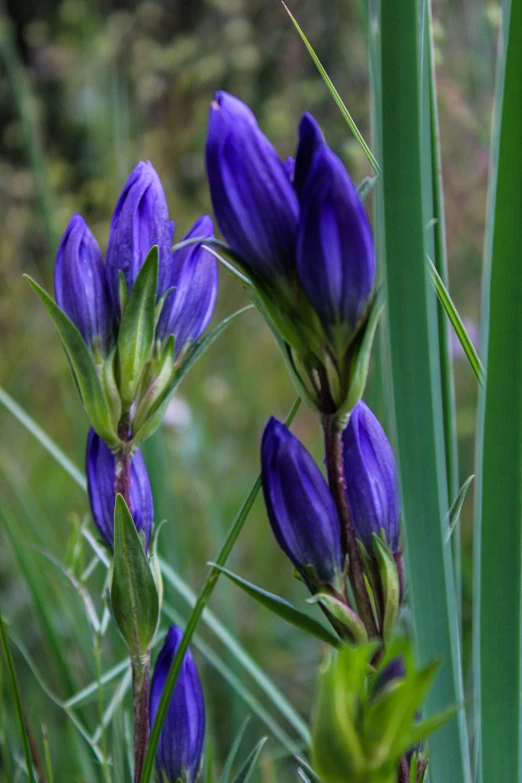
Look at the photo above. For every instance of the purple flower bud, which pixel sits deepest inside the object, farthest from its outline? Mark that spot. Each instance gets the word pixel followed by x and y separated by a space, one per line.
pixel 371 479
pixel 100 469
pixel 140 221
pixel 80 284
pixel 300 507
pixel 310 139
pixel 394 671
pixel 335 252
pixel 253 198
pixel 181 742
pixel 188 308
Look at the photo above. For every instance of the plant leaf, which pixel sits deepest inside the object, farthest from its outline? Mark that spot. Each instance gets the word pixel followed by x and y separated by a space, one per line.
pixel 136 333
pixel 456 507
pixel 233 752
pixel 282 608
pixel 134 596
pixel 83 368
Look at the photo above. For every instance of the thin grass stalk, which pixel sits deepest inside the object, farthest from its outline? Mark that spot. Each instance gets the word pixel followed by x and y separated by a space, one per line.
pixel 416 384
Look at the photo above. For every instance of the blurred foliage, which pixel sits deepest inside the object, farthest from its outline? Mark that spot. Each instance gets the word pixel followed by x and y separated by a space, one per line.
pixel 86 90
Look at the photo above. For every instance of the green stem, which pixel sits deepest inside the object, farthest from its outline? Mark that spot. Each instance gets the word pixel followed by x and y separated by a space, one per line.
pixel 336 480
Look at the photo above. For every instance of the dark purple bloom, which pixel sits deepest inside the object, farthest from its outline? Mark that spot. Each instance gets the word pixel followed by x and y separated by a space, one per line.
pixel 335 253
pixel 300 507
pixel 80 284
pixel 253 198
pixel 100 469
pixel 181 742
pixel 371 478
pixel 395 670
pixel 140 221
pixel 193 276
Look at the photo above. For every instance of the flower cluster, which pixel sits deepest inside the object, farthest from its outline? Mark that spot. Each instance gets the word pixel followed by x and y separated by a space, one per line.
pixel 300 231
pixel 306 520
pixel 101 299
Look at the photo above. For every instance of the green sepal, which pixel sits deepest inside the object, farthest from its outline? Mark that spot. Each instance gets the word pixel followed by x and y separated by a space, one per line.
pixel 160 303
pixel 360 353
pixel 136 334
pixel 155 563
pixel 134 596
pixel 413 769
pixel 123 291
pixel 344 614
pixel 389 583
pixel 110 387
pixel 282 608
pixel 157 411
pixel 83 368
pixel 155 380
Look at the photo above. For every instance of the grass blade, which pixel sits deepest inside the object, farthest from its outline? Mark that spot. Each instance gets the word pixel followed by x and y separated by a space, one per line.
pixel 16 698
pixel 227 769
pixel 337 98
pixel 249 765
pixel 456 322
pixel 413 335
pixel 195 617
pixel 499 505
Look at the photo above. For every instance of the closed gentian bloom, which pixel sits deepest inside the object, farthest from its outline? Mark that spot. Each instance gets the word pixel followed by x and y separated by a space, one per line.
pixel 181 742
pixel 140 221
pixel 194 277
pixel 253 198
pixel 371 479
pixel 100 469
pixel 300 507
pixel 335 251
pixel 80 284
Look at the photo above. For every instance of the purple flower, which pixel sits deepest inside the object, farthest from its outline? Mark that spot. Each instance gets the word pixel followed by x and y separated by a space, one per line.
pixel 80 284
pixel 100 469
pixel 301 230
pixel 335 253
pixel 253 199
pixel 181 742
pixel 300 507
pixel 394 671
pixel 140 221
pixel 371 479
pixel 193 276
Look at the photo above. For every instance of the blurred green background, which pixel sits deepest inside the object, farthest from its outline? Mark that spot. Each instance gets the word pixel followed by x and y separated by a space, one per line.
pixel 86 90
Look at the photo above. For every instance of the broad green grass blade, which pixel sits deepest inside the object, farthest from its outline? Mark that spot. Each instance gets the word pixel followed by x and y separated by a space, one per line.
pixel 13 682
pixel 337 98
pixel 196 614
pixel 500 471
pixel 413 340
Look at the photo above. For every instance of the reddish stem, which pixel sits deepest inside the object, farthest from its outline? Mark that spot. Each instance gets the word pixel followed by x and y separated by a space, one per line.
pixel 336 480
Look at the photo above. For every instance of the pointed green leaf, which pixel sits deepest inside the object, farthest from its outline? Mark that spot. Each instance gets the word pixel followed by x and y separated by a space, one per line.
pixel 282 608
pixel 250 763
pixel 456 322
pixel 421 731
pixel 83 368
pixel 134 597
pixel 137 327
pixel 456 508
